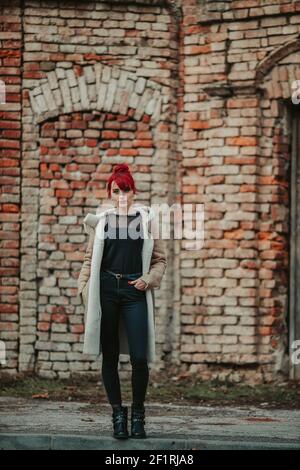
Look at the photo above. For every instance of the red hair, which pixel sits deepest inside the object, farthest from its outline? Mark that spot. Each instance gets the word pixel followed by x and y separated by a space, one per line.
pixel 122 176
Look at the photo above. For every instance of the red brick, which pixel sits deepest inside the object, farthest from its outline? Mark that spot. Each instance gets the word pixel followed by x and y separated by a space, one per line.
pixel 43 326
pixel 64 193
pixel 59 318
pixel 241 141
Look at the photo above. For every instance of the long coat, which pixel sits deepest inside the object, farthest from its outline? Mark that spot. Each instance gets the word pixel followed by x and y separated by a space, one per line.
pixel 153 267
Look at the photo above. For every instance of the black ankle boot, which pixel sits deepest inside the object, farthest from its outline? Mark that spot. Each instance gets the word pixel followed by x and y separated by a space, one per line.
pixel 119 417
pixel 138 421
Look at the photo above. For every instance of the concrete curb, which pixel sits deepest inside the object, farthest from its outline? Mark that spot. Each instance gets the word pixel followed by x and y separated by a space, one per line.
pixel 14 441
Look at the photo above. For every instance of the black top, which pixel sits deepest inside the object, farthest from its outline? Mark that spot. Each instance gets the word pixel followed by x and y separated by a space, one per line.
pixel 123 243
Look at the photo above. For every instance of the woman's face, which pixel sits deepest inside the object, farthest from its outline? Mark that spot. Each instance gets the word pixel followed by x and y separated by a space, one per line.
pixel 122 199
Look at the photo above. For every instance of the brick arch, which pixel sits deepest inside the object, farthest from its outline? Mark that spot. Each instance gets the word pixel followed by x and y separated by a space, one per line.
pixel 96 87
pixel 267 64
pixel 98 92
pixel 174 6
pixel 277 84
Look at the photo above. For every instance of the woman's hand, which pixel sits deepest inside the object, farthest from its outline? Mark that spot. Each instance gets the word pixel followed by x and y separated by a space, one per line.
pixel 139 284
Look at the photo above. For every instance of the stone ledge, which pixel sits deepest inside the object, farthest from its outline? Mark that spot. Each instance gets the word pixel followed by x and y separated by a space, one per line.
pixel 81 442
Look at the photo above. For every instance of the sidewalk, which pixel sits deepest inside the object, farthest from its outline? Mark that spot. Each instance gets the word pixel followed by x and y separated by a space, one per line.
pixel 45 424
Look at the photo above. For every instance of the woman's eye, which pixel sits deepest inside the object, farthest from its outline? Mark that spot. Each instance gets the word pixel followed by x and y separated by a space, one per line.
pixel 126 190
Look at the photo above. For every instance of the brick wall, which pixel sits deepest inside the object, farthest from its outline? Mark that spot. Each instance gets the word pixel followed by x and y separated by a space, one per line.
pixel 193 95
pixel 10 177
pixel 99 87
pixel 240 61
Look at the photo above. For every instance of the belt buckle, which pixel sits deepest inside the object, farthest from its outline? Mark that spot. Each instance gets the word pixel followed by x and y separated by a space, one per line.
pixel 118 276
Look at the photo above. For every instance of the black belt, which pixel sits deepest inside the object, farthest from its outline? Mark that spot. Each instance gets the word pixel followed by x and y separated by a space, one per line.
pixel 121 275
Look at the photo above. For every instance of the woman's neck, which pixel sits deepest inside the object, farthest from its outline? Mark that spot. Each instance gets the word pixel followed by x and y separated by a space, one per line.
pixel 123 210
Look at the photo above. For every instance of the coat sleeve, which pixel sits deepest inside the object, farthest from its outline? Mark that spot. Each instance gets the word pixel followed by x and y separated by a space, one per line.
pixel 158 265
pixel 86 266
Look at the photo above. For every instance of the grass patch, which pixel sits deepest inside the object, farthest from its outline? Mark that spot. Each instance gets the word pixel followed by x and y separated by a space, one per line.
pixel 160 389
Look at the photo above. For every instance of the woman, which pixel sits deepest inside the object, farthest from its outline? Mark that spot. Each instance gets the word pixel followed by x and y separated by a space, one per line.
pixel 122 266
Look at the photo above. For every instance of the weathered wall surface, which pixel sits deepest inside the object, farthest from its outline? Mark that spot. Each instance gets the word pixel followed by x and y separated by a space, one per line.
pixel 194 96
pixel 10 163
pixel 240 61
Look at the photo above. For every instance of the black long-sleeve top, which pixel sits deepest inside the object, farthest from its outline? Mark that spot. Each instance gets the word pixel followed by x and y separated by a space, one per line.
pixel 123 243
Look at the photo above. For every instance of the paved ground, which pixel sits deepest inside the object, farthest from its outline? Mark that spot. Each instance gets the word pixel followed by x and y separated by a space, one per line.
pixel 44 424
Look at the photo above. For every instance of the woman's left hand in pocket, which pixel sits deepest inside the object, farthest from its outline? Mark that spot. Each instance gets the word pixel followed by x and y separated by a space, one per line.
pixel 138 284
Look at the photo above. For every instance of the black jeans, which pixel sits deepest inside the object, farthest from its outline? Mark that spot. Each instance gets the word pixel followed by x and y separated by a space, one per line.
pixel 120 298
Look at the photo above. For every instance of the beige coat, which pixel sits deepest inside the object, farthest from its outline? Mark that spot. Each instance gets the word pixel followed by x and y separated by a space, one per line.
pixel 153 267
